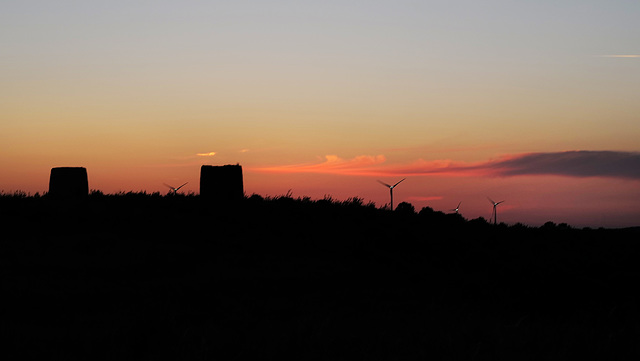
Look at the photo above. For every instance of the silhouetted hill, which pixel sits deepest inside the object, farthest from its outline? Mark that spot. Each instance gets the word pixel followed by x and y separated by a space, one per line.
pixel 146 276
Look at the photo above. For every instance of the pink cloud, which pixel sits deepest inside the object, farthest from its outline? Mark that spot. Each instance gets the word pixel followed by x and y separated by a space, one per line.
pixel 442 167
pixel 570 163
pixel 360 165
pixel 426 198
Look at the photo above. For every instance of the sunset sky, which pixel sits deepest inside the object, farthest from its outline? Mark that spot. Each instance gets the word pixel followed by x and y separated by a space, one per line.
pixel 533 102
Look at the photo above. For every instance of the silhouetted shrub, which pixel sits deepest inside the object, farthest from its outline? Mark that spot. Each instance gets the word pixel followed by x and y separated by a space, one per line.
pixel 20 194
pixel 480 221
pixel 405 208
pixel 425 211
pixel 354 202
pixel 520 226
pixel 96 193
pixel 255 198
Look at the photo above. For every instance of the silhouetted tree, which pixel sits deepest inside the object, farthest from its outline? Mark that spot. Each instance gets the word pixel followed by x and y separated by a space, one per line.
pixel 479 220
pixel 426 211
pixel 405 208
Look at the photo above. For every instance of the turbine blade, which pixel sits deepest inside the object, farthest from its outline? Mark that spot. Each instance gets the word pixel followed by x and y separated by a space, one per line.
pixel 458 207
pixel 168 185
pixel 491 200
pixel 499 202
pixel 399 182
pixel 385 184
pixel 182 186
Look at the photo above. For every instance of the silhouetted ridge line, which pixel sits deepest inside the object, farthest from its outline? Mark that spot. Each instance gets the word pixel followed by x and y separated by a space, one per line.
pixel 189 280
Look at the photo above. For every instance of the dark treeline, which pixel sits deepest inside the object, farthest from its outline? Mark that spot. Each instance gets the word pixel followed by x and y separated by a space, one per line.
pixel 150 276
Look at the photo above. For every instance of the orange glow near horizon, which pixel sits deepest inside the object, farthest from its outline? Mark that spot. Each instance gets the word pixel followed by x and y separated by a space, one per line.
pixel 441 185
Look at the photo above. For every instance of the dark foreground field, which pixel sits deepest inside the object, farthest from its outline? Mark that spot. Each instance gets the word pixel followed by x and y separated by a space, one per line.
pixel 146 277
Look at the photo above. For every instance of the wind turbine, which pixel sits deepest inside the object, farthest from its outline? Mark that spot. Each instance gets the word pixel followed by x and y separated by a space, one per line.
pixel 495 214
pixel 175 190
pixel 455 210
pixel 391 189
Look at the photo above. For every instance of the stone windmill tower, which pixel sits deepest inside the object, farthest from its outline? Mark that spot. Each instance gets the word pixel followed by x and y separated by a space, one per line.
pixel 68 182
pixel 222 184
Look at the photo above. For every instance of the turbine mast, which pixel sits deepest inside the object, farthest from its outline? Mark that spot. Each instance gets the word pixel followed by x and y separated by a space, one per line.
pixel 495 210
pixel 391 193
pixel 391 189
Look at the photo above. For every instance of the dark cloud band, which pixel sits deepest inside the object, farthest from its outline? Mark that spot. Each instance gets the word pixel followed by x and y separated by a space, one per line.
pixel 571 163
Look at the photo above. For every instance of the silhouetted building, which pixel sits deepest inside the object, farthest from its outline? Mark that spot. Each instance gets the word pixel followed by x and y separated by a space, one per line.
pixel 68 182
pixel 221 183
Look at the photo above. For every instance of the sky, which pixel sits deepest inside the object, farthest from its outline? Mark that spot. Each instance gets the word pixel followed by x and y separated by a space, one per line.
pixel 530 102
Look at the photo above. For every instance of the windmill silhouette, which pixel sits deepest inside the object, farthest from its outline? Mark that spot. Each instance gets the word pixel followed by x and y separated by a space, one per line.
pixel 175 190
pixel 495 213
pixel 457 209
pixel 391 189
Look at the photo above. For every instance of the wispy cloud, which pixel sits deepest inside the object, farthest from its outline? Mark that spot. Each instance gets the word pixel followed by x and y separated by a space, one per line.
pixel 210 154
pixel 570 163
pixel 332 164
pixel 425 198
pixel 621 56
